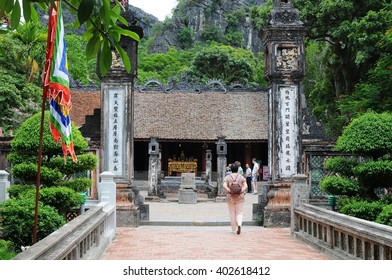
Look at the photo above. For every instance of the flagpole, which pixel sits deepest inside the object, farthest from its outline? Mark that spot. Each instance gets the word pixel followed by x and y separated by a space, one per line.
pixel 49 53
pixel 38 182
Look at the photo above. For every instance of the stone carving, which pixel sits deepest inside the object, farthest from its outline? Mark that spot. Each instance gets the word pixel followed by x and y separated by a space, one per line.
pixel 286 17
pixel 187 193
pixel 152 85
pixel 116 62
pixel 287 59
pixel 188 181
pixel 138 198
pixel 305 126
pixel 184 83
pixel 284 13
pixel 283 3
pixel 187 85
pixel 153 176
pixel 215 85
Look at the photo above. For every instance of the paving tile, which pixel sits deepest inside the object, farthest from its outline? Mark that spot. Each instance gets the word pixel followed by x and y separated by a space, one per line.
pixel 205 242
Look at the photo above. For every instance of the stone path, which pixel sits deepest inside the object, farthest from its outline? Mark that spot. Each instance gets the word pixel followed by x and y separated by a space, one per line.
pixel 166 241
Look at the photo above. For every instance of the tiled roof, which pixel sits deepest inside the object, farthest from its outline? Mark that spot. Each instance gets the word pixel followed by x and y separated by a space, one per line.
pixel 201 116
pixel 83 104
pixel 188 115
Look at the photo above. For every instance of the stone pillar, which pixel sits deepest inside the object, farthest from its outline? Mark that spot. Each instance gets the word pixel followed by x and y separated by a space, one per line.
pixel 107 187
pixel 283 40
pixel 208 166
pixel 117 109
pixel 107 193
pixel 299 194
pixel 258 208
pixel 153 168
pixel 4 185
pixel 221 150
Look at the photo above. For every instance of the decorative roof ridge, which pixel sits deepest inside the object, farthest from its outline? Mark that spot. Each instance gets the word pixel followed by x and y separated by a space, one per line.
pixel 187 84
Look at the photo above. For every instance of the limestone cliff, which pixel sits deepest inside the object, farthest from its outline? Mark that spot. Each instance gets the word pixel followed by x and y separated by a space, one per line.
pixel 198 21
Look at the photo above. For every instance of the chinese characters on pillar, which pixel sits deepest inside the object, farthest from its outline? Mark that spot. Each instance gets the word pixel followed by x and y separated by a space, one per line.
pixel 116 117
pixel 289 131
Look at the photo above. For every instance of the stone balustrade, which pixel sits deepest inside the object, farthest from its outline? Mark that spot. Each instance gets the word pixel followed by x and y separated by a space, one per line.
pixel 341 236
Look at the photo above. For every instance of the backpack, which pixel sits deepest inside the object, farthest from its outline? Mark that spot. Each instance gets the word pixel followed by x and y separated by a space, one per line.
pixel 234 186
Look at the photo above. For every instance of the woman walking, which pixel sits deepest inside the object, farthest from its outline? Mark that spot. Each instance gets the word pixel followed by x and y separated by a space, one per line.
pixel 235 201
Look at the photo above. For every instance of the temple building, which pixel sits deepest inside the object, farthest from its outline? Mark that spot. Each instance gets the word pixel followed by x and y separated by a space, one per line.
pixel 186 122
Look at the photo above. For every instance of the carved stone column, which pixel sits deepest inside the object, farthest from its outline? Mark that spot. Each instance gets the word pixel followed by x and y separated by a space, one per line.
pixel 208 166
pixel 221 150
pixel 283 40
pixel 153 169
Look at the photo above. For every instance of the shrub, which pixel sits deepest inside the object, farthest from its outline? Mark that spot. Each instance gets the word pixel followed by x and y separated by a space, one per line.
pixel 27 173
pixel 17 221
pixel 6 250
pixel 362 209
pixel 370 134
pixel 15 191
pixel 386 199
pixel 63 199
pixel 341 166
pixel 26 140
pixel 79 184
pixel 85 162
pixel 340 186
pixel 375 173
pixel 385 217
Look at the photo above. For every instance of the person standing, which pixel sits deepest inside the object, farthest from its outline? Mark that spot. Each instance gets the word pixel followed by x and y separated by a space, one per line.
pixel 240 170
pixel 248 176
pixel 235 202
pixel 255 173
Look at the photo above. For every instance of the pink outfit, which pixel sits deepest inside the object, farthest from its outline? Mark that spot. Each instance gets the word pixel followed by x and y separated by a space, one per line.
pixel 235 203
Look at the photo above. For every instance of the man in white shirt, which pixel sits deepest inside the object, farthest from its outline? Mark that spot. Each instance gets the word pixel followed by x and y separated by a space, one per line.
pixel 255 173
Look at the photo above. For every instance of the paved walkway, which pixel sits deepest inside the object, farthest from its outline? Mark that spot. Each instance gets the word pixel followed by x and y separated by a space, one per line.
pixel 165 241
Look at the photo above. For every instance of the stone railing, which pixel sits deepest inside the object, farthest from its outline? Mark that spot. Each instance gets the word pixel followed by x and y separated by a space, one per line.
pixel 341 236
pixel 337 235
pixel 84 238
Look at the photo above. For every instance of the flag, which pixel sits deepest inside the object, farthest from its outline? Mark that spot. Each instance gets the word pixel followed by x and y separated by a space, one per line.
pixel 56 82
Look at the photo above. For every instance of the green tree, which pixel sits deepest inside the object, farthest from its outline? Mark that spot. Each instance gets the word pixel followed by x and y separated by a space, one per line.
pixel 351 55
pixel 81 69
pixel 369 138
pixel 228 64
pixel 185 38
pixel 59 189
pixel 102 18
pixel 162 66
pixel 211 33
pixel 55 171
pixel 32 36
pixel 18 99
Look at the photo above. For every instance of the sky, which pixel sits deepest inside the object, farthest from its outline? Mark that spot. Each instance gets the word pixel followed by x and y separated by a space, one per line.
pixel 158 8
